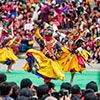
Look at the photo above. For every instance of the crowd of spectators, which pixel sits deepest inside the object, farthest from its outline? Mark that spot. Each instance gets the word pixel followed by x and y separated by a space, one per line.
pixel 22 19
pixel 28 91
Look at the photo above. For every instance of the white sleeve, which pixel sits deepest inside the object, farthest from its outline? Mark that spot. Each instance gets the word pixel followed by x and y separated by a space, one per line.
pixel 80 49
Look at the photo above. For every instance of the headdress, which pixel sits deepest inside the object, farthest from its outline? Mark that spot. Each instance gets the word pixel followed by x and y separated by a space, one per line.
pixel 49 32
pixel 79 40
pixel 5 41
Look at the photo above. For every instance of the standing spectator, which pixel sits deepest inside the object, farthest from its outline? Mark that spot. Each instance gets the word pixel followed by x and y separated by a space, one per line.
pixel 42 90
pixel 26 83
pixel 92 85
pixel 80 9
pixel 51 90
pixel 3 78
pixel 75 91
pixel 45 11
pixel 90 96
pixel 6 91
pixel 66 86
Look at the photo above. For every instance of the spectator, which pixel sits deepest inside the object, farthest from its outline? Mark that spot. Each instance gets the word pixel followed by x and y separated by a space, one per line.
pixel 22 98
pixel 26 92
pixel 25 83
pixel 76 98
pixel 15 90
pixel 75 91
pixel 66 86
pixel 3 78
pixel 50 98
pixel 42 91
pixel 6 91
pixel 90 96
pixel 92 85
pixel 51 87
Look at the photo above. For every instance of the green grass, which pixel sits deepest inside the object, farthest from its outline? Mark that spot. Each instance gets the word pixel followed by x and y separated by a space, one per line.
pixel 80 79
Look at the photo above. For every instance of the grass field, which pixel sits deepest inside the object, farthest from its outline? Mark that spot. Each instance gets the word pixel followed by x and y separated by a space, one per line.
pixel 80 79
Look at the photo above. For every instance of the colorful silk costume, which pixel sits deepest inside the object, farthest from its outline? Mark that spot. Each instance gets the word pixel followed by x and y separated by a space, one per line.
pixel 54 60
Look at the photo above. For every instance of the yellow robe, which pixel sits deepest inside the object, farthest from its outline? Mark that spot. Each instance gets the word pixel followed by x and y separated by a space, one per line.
pixel 7 53
pixel 37 34
pixel 48 67
pixel 69 62
pixel 88 1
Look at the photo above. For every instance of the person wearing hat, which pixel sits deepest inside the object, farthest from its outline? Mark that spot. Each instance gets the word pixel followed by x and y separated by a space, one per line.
pixel 49 68
pixel 75 58
pixel 52 46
